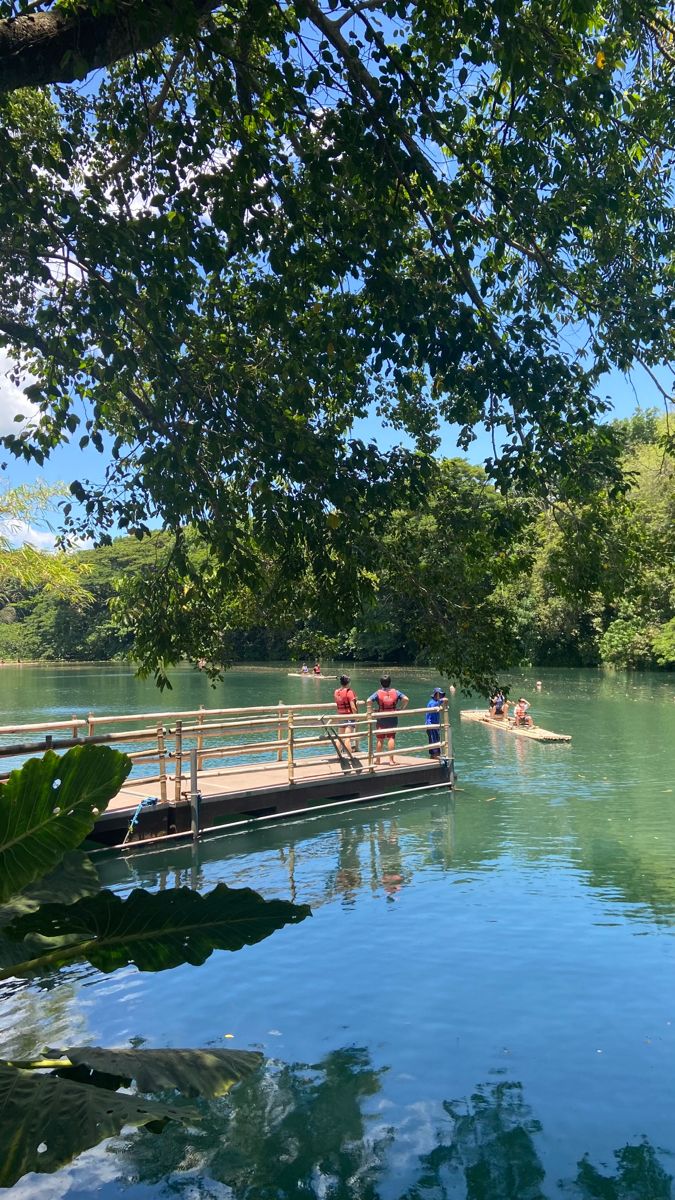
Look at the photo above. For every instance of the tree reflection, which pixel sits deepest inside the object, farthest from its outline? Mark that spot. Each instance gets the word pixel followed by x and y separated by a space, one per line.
pixel 297 1131
pixel 640 1177
pixel 489 1152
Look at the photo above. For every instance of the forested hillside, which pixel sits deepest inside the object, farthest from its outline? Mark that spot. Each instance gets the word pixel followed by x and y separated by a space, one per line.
pixel 467 579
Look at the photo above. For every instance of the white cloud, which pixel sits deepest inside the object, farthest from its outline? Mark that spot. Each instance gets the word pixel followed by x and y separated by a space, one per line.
pixel 18 533
pixel 12 400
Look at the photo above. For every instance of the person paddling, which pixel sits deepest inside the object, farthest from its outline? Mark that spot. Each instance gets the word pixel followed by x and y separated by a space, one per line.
pixel 346 702
pixel 316 669
pixel 388 700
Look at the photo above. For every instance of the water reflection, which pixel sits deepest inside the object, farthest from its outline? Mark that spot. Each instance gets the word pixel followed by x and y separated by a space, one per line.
pixel 301 1130
pixel 310 1130
pixel 378 851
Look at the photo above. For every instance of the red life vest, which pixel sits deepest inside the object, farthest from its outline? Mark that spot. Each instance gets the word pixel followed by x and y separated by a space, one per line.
pixel 343 698
pixel 387 699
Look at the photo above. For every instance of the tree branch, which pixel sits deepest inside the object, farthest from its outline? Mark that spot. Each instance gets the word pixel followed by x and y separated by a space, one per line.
pixel 59 46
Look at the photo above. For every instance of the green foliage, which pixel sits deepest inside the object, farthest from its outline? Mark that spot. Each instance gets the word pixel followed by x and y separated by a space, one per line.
pixel 626 643
pixel 48 807
pixel 25 567
pixel 663 644
pixel 461 578
pixel 154 931
pixel 230 246
pixel 45 1121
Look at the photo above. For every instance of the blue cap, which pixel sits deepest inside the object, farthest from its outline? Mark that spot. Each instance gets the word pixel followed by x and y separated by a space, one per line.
pixel 438 689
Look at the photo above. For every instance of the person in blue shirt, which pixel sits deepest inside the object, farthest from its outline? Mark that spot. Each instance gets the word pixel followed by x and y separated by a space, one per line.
pixel 433 721
pixel 388 699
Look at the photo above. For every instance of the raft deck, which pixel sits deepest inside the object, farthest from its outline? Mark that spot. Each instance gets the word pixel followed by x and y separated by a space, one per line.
pixel 535 734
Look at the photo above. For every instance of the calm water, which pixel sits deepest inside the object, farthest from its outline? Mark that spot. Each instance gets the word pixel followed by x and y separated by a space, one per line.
pixel 482 1006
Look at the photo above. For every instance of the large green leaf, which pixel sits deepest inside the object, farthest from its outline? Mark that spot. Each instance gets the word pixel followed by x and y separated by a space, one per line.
pixel 46 1121
pixel 49 806
pixel 74 877
pixel 153 930
pixel 207 1073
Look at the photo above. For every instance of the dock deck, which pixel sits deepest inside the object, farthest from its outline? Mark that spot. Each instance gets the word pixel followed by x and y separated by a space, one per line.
pixel 228 797
pixel 216 767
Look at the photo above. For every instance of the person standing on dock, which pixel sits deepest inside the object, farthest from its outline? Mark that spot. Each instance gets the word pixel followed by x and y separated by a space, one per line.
pixel 433 721
pixel 345 699
pixel 388 699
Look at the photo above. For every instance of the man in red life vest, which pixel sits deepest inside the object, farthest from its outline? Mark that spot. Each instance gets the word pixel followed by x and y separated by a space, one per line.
pixel 345 699
pixel 388 700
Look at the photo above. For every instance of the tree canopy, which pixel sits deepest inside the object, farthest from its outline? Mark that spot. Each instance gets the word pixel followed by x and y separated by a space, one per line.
pixel 465 579
pixel 256 223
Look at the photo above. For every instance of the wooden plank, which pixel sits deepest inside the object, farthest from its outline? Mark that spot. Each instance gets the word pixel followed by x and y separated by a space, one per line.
pixel 535 734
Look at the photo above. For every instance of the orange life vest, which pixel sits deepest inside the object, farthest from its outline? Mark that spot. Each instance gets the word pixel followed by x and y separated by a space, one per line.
pixel 343 697
pixel 387 699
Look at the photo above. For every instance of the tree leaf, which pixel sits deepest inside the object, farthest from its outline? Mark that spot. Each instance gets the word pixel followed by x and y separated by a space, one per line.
pixel 207 1073
pixel 155 931
pixel 45 1121
pixel 49 806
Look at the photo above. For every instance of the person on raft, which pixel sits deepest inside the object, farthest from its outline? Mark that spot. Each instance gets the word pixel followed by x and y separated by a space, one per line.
pixel 316 669
pixel 346 702
pixel 305 669
pixel 521 715
pixel 433 722
pixel 499 705
pixel 388 700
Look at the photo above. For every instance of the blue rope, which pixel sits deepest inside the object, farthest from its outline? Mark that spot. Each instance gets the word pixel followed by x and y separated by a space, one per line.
pixel 149 802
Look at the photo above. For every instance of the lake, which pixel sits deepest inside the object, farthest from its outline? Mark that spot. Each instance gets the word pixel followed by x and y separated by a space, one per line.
pixel 482 1005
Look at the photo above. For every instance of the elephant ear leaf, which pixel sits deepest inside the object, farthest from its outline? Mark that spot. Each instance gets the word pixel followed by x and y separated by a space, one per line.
pixel 46 1121
pixel 49 806
pixel 208 1073
pixel 153 930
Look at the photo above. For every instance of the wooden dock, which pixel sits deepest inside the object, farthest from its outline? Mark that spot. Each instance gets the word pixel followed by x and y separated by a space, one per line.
pixel 533 734
pixel 217 767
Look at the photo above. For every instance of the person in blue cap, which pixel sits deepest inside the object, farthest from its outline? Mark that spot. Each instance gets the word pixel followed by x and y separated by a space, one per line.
pixel 433 721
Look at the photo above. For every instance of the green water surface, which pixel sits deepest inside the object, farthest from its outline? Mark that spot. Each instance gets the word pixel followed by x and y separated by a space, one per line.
pixel 482 1005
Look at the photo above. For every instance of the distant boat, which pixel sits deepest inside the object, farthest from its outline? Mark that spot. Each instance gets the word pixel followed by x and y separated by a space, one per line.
pixel 535 733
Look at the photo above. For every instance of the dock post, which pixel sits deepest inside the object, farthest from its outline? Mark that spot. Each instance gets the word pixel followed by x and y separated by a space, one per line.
pixel 179 761
pixel 447 732
pixel 290 744
pixel 200 736
pixel 280 732
pixel 194 794
pixel 75 725
pixel 90 725
pixel 161 754
pixel 369 717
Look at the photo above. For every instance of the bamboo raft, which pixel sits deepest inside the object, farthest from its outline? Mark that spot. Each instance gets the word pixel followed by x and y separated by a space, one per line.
pixel 535 734
pixel 308 675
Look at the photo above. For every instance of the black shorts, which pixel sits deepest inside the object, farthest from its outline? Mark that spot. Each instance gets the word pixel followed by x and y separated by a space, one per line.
pixel 387 722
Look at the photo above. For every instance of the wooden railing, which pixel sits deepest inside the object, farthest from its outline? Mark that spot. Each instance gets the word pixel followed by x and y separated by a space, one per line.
pixel 290 733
